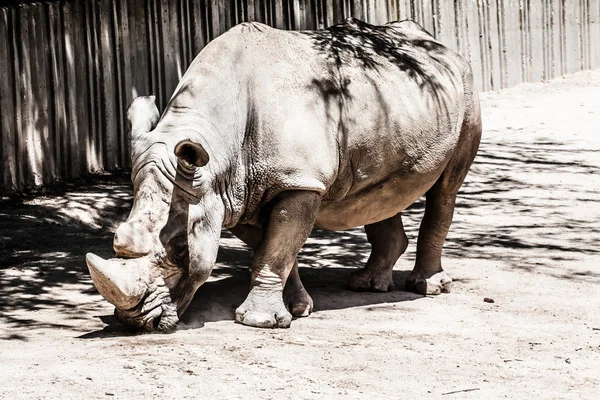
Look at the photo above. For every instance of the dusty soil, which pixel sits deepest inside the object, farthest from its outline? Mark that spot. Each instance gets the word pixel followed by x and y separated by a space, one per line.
pixel 525 234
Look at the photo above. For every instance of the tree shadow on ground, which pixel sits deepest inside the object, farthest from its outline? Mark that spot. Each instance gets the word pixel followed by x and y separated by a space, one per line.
pixel 524 204
pixel 43 242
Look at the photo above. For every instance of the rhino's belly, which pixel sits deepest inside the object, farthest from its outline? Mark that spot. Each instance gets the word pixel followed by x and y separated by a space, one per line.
pixel 373 204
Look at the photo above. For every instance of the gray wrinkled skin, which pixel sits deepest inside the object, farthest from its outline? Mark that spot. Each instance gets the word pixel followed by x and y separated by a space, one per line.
pixel 271 133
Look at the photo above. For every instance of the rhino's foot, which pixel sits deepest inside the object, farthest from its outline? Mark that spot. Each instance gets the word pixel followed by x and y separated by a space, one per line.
pixel 436 284
pixel 263 309
pixel 375 281
pixel 299 302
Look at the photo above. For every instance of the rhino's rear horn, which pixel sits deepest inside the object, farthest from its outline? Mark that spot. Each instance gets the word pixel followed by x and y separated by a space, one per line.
pixel 192 153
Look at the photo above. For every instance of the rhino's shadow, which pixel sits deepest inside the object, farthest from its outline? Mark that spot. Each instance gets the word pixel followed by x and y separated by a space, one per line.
pixel 326 262
pixel 217 300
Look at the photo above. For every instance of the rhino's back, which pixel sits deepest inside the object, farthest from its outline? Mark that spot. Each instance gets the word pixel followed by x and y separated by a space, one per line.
pixel 367 115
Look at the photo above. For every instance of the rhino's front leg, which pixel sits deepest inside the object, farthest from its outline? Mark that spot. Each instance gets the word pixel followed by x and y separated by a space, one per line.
pixel 295 296
pixel 289 224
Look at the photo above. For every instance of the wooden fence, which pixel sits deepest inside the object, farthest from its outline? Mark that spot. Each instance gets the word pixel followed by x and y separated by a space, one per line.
pixel 68 69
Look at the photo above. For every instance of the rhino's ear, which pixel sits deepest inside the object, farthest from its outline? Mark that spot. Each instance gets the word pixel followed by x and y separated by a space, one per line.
pixel 142 115
pixel 192 153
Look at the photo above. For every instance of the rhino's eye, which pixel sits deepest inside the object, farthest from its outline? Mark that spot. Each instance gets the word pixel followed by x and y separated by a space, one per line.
pixel 177 249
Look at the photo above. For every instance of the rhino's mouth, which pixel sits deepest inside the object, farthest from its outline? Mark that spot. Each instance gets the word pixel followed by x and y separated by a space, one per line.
pixel 138 289
pixel 155 312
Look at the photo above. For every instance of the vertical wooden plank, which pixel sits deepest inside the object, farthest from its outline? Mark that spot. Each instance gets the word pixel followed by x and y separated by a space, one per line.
pixel 159 83
pixel 270 12
pixel 133 35
pixel 214 19
pixel 94 135
pixel 494 46
pixel 474 35
pixel 562 33
pixel 4 59
pixel 460 22
pixel 297 15
pixel 32 110
pixel 250 14
pixel 357 9
pixel 536 40
pixel 417 10
pixel 394 10
pixel 336 10
pixel 170 56
pixel 524 40
pixel 594 18
pixel 224 16
pixel 573 35
pixel 403 9
pixel 305 17
pixel 555 38
pixel 447 29
pixel 71 143
pixel 317 8
pixel 260 13
pixel 435 16
pixel 585 45
pixel 187 15
pixel 233 11
pixel 114 58
pixel 24 107
pixel 198 26
pixel 108 83
pixel 56 73
pixel 279 20
pixel 427 15
pixel 17 45
pixel 78 84
pixel 43 140
pixel 483 44
pixel 367 12
pixel 501 48
pixel 7 100
pixel 546 39
pixel 512 42
pixel 124 82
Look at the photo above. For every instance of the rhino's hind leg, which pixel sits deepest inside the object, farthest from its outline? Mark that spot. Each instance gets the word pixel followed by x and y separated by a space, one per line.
pixel 290 221
pixel 295 296
pixel 388 242
pixel 428 277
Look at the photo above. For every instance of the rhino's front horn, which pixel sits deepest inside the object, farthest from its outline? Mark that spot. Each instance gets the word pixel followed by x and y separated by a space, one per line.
pixel 120 282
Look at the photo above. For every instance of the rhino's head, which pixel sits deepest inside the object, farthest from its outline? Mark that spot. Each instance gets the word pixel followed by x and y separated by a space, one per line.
pixel 167 247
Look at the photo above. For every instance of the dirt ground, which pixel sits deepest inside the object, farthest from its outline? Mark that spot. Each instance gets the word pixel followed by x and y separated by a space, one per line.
pixel 526 234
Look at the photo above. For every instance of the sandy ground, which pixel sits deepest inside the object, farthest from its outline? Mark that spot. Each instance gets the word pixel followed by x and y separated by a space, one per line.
pixel 525 234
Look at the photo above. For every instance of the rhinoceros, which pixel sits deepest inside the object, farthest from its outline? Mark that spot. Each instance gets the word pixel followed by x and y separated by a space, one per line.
pixel 271 133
